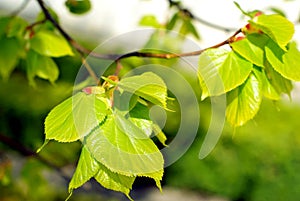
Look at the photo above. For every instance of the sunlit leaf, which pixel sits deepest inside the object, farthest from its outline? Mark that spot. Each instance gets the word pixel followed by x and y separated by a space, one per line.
pixel 41 66
pixel 281 32
pixel 124 148
pixel 280 84
pixel 49 43
pixel 114 181
pixel 87 168
pixel 220 71
pixel 252 48
pixel 268 89
pixel 75 118
pixel 159 134
pixel 148 86
pixel 285 63
pixel 244 102
pixel 144 124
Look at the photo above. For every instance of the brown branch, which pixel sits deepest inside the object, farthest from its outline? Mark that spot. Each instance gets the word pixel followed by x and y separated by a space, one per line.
pixel 82 50
pixel 78 47
pixel 30 27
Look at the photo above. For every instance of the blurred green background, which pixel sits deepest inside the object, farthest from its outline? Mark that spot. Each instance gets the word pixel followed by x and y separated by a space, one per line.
pixel 257 162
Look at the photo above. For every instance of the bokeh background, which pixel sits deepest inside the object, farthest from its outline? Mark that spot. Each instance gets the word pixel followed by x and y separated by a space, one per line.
pixel 257 162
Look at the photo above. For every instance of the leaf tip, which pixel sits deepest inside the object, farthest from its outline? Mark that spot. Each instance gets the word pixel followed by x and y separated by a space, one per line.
pixel 158 184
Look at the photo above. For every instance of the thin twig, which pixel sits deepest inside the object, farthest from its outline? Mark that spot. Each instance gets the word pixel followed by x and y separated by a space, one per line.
pixel 30 27
pixel 90 70
pixel 78 47
pixel 164 55
pixel 82 50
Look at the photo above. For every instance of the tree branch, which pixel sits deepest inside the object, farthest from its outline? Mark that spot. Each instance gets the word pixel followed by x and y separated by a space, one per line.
pixel 82 50
pixel 78 47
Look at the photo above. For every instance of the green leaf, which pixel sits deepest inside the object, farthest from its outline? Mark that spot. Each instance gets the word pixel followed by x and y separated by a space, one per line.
pixel 268 89
pixel 4 21
pixel 49 43
pixel 148 86
pixel 244 101
pixel 78 6
pixel 124 101
pixel 87 168
pixel 220 71
pixel 159 134
pixel 41 66
pixel 9 55
pixel 281 32
pixel 144 124
pixel 124 148
pixel 278 11
pixel 280 84
pixel 150 21
pixel 188 27
pixel 140 111
pixel 171 24
pixel 285 63
pixel 240 8
pixel 75 118
pixel 252 48
pixel 114 181
pixel 16 27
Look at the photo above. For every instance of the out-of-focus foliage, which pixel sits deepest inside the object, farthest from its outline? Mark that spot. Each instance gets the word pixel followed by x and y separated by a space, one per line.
pixel 259 163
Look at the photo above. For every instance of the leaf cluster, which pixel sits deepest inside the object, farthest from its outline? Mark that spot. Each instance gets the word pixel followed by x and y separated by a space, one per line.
pixel 116 139
pixel 259 64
